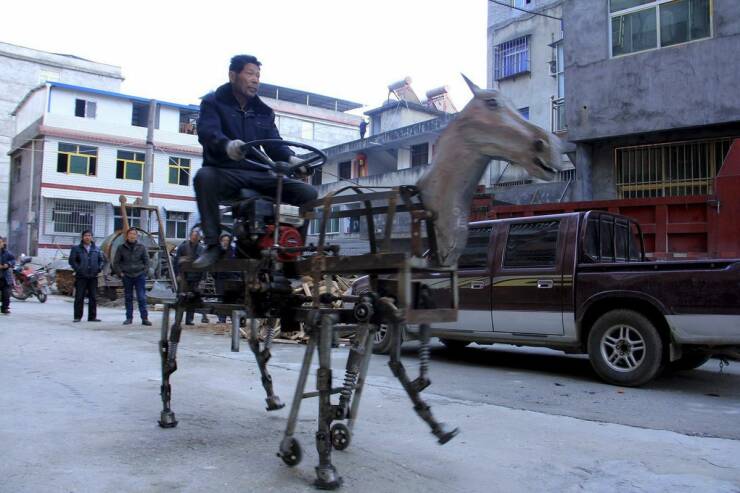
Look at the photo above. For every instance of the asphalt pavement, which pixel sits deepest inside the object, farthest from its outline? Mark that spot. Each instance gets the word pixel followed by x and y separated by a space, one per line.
pixel 79 404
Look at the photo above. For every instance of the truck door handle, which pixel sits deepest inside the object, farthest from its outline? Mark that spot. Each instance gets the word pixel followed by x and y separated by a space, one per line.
pixel 544 283
pixel 477 285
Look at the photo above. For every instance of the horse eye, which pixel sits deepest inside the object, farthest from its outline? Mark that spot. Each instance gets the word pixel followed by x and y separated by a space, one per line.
pixel 492 103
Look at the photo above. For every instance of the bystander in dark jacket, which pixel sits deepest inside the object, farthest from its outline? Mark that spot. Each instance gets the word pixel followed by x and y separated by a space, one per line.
pixel 188 251
pixel 87 261
pixel 131 263
pixel 7 262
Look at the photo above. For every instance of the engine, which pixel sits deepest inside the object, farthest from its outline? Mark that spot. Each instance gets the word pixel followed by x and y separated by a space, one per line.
pixel 254 228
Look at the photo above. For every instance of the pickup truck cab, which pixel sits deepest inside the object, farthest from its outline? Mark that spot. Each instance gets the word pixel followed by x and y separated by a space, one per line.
pixel 580 282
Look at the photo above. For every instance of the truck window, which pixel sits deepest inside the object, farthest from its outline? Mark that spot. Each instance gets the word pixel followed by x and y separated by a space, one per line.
pixel 592 239
pixel 532 244
pixel 607 239
pixel 621 240
pixel 475 255
pixel 635 247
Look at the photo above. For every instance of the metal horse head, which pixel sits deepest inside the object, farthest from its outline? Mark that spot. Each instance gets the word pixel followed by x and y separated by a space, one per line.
pixel 489 127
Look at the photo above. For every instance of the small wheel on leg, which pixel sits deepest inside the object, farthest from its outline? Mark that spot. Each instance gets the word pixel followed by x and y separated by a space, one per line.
pixel 341 437
pixel 294 454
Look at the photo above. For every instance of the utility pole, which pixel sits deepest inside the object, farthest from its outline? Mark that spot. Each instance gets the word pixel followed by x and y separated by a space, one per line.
pixel 148 162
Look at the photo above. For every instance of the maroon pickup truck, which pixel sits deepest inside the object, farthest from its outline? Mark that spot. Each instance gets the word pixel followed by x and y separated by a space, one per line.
pixel 580 282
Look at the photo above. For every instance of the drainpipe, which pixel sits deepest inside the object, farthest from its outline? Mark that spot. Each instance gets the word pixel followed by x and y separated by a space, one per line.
pixel 30 215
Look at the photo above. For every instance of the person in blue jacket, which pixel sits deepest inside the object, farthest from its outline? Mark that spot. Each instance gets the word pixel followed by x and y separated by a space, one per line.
pixel 87 261
pixel 7 262
pixel 229 117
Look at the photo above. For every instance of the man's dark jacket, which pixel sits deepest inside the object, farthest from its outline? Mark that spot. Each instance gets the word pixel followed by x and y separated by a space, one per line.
pixel 186 251
pixel 86 264
pixel 131 259
pixel 222 119
pixel 7 258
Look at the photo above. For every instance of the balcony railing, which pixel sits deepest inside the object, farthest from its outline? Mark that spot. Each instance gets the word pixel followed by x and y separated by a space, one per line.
pixel 558 115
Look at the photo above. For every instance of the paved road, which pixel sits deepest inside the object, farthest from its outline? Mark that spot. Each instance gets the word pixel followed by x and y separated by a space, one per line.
pixel 79 404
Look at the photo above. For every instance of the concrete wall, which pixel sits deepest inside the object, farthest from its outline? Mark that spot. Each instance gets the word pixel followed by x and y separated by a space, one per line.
pixel 22 69
pixel 680 86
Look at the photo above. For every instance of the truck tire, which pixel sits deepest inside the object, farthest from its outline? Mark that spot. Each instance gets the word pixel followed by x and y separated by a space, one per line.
pixel 624 348
pixel 454 344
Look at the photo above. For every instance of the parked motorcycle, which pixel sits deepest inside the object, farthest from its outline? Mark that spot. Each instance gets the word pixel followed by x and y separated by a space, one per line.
pixel 28 281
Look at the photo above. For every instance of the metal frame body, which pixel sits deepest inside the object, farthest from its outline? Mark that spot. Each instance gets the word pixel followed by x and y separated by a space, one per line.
pixel 397 296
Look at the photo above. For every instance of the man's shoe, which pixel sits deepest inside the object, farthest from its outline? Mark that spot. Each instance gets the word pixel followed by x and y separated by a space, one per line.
pixel 128 321
pixel 94 320
pixel 189 323
pixel 146 322
pixel 76 320
pixel 209 257
pixel 5 312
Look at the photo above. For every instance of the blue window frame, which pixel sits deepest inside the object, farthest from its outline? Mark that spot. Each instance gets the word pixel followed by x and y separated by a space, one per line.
pixel 511 58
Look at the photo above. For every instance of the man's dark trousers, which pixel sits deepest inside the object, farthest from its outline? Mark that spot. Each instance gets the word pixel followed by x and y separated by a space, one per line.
pixel 214 185
pixel 86 286
pixel 129 285
pixel 4 294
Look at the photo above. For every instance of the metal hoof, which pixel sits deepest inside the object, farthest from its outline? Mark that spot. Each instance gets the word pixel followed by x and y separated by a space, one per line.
pixel 167 419
pixel 421 383
pixel 327 479
pixel 291 454
pixel 273 403
pixel 341 437
pixel 443 437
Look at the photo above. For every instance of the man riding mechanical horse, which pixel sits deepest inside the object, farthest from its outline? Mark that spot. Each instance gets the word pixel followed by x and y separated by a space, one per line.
pixel 230 117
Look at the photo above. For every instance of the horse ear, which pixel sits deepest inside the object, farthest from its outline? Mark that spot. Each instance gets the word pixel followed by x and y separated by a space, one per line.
pixel 473 88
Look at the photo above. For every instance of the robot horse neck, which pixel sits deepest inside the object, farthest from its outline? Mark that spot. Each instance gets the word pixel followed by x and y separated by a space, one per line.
pixel 489 127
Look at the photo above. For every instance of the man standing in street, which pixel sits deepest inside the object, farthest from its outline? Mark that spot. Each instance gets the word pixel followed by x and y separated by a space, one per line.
pixel 188 251
pixel 229 117
pixel 131 264
pixel 87 260
pixel 7 262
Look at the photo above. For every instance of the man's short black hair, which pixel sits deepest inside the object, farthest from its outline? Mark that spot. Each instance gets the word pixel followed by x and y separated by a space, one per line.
pixel 85 232
pixel 238 62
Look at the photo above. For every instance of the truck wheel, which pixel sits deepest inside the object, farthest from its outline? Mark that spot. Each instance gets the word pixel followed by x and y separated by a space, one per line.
pixel 691 360
pixel 382 340
pixel 625 348
pixel 454 344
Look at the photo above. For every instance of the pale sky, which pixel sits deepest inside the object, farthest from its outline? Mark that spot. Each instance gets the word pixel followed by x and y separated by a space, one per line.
pixel 178 51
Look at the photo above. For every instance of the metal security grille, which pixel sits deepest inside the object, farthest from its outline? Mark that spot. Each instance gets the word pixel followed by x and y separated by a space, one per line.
pixel 668 170
pixel 511 58
pixel 72 216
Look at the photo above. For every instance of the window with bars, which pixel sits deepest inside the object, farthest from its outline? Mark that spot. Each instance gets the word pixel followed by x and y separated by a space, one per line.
pixel 671 169
pixel 77 159
pixel 511 58
pixel 72 216
pixel 638 25
pixel 130 165
pixel 331 228
pixel 179 171
pixel 177 225
pixel 420 154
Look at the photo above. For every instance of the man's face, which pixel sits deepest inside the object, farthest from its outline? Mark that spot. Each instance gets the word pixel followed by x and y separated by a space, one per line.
pixel 194 236
pixel 87 238
pixel 2 243
pixel 132 235
pixel 247 81
pixel 225 242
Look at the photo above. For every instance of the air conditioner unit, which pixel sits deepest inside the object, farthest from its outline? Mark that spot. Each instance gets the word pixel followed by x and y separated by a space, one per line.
pixel 553 67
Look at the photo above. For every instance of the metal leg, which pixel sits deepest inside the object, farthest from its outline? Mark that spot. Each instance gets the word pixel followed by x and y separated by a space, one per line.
pixel 326 474
pixel 236 319
pixel 368 352
pixel 273 401
pixel 289 447
pixel 168 353
pixel 421 407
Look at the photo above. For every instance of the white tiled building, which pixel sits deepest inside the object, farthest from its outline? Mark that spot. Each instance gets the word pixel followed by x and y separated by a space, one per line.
pixel 77 149
pixel 84 148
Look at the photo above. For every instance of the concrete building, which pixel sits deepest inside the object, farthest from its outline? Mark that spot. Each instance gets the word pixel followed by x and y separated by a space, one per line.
pixel 525 62
pixel 22 69
pixel 77 149
pixel 651 94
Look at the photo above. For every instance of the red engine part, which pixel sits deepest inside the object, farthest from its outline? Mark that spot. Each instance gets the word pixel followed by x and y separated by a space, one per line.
pixel 288 237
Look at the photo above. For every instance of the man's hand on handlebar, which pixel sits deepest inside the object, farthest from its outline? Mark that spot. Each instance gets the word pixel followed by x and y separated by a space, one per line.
pixel 300 171
pixel 235 151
